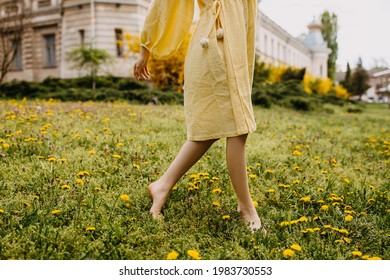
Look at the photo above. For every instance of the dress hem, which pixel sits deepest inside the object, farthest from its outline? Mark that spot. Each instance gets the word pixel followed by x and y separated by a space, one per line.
pixel 218 136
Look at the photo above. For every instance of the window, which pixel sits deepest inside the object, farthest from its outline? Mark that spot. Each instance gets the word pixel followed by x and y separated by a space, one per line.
pixel 44 3
pixel 119 42
pixel 11 8
pixel 50 50
pixel 17 63
pixel 82 37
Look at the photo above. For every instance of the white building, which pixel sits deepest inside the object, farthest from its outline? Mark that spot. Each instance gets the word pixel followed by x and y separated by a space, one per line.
pixel 56 27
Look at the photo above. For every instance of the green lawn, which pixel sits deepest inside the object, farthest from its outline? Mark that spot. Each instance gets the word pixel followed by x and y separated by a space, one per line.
pixel 73 180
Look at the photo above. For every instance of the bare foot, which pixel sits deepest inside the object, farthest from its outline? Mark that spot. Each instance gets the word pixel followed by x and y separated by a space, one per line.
pixel 159 196
pixel 251 219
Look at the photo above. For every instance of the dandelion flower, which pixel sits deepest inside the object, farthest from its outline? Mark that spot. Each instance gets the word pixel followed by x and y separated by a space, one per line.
pixel 357 253
pixel 303 219
pixel 255 203
pixel 288 253
pixel 51 159
pixel 348 218
pixel 172 255
pixel 217 190
pixel 305 199
pixel 90 229
pixel 347 240
pixel 252 176
pixel 374 259
pixel 324 207
pixel 55 212
pixel 91 152
pixel 65 187
pixel 124 197
pixel 296 247
pixel 225 217
pixel 216 204
pixel 1 211
pixel 271 190
pixel 116 156
pixel 194 254
pixel 136 166
pixel 297 153
pixel 347 181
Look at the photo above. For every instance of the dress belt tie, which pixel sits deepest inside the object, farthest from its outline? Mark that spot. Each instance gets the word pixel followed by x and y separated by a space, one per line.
pixel 217 7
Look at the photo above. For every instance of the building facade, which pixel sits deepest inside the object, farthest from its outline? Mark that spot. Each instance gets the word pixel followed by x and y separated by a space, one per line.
pixel 53 28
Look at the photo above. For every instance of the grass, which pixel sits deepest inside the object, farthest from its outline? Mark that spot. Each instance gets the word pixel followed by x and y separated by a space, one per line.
pixel 73 178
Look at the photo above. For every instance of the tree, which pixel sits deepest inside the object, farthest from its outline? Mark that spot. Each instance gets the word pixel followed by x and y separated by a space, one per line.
pixel 359 80
pixel 329 32
pixel 164 73
pixel 346 83
pixel 90 60
pixel 11 34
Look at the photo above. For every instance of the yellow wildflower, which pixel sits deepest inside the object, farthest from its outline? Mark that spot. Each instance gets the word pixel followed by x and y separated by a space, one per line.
pixel 324 207
pixel 83 173
pixel 297 153
pixel 255 203
pixel 1 211
pixel 216 204
pixel 288 253
pixel 217 190
pixel 348 218
pixel 374 258
pixel 136 166
pixel 90 229
pixel 346 239
pixel 51 159
pixel 116 156
pixel 124 197
pixel 172 255
pixel 357 253
pixel 55 212
pixel 271 190
pixel 91 152
pixel 65 187
pixel 303 219
pixel 305 199
pixel 225 217
pixel 252 176
pixel 194 254
pixel 296 247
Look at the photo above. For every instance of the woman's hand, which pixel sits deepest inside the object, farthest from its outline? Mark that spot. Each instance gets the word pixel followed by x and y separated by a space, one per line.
pixel 141 71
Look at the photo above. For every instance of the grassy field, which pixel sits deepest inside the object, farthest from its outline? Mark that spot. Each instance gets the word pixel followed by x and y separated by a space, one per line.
pixel 73 180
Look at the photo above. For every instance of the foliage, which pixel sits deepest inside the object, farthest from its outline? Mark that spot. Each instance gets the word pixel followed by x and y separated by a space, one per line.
pixel 78 89
pixel 346 82
pixel 11 34
pixel 164 73
pixel 90 60
pixel 74 175
pixel 329 32
pixel 360 80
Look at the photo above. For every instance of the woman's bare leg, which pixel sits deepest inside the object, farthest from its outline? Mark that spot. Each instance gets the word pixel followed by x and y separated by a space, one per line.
pixel 188 155
pixel 236 161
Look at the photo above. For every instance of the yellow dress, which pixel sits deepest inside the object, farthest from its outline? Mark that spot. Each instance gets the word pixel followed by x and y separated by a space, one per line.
pixel 218 70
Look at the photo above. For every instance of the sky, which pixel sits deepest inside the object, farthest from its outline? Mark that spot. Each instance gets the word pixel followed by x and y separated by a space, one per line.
pixel 363 26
